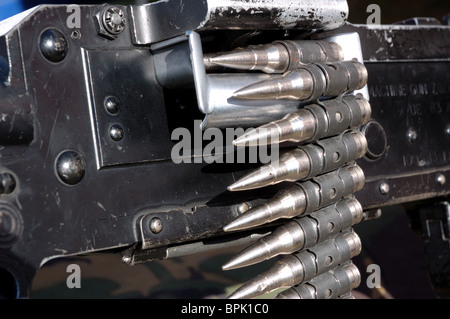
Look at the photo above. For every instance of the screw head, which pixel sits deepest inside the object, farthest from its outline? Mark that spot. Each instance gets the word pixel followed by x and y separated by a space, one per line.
pixel 53 45
pixel 112 105
pixel 384 188
pixel 76 34
pixel 412 135
pixel 116 132
pixel 156 225
pixel 70 167
pixel 113 20
pixel 440 179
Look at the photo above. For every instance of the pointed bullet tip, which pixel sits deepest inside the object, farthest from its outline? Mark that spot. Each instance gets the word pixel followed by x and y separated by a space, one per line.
pixel 251 92
pixel 227 266
pixel 246 221
pixel 232 297
pixel 231 226
pixel 239 262
pixel 262 177
pixel 236 295
pixel 248 290
pixel 238 186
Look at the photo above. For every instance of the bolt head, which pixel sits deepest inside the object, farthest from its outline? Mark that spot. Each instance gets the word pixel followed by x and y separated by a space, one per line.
pixel 113 20
pixel 156 225
pixel 112 105
pixel 440 179
pixel 53 45
pixel 412 135
pixel 116 132
pixel 70 167
pixel 384 188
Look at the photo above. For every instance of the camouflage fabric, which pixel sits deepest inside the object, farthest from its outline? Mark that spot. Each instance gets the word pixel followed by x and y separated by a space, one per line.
pixel 106 276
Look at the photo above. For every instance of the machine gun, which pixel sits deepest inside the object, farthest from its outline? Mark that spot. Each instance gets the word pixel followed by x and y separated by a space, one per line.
pixel 108 114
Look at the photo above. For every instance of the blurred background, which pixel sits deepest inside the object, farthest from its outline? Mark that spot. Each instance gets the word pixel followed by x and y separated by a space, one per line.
pixel 388 241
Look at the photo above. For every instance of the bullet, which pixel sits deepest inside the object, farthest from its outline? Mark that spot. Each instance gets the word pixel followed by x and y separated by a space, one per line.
pixel 272 58
pixel 290 201
pixel 306 162
pixel 276 57
pixel 285 273
pixel 334 284
pixel 309 82
pixel 311 123
pixel 301 233
pixel 291 166
pixel 302 198
pixel 301 267
pixel 283 240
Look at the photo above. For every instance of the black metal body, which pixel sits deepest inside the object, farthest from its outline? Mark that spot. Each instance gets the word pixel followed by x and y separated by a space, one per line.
pixel 435 224
pixel 49 108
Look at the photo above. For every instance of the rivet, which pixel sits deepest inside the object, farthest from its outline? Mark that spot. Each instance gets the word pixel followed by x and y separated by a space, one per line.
pixel 412 135
pixel 53 45
pixel 384 188
pixel 156 225
pixel 440 178
pixel 116 132
pixel 112 105
pixel 70 167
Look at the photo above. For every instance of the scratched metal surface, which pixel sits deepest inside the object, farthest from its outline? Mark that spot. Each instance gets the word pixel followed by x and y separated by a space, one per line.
pixel 409 89
pixel 233 15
